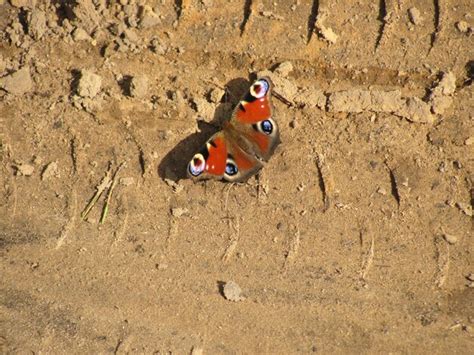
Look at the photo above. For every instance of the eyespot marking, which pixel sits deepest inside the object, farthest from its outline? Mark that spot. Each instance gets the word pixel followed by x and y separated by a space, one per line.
pixel 266 127
pixel 231 169
pixel 260 88
pixel 197 165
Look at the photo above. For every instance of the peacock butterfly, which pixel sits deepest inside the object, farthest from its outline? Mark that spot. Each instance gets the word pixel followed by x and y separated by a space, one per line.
pixel 247 139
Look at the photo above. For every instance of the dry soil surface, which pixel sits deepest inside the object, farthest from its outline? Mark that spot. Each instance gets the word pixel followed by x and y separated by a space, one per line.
pixel 355 237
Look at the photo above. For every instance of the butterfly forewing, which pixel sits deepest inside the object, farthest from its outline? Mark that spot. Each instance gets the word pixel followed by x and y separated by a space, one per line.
pixel 252 118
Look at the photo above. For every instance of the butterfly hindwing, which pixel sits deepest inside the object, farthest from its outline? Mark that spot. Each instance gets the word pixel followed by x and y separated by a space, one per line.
pixel 223 158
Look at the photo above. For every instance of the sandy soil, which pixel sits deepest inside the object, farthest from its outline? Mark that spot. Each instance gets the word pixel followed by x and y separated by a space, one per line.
pixel 355 237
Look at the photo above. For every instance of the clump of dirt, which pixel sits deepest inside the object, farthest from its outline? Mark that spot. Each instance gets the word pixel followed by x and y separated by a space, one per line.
pixel 89 84
pixel 232 292
pixel 17 83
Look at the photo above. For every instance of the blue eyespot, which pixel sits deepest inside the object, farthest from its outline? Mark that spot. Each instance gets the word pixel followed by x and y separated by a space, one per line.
pixel 265 84
pixel 231 169
pixel 197 165
pixel 267 127
pixel 260 88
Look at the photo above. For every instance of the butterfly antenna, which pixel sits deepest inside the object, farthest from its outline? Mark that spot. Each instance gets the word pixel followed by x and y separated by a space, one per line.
pixel 283 99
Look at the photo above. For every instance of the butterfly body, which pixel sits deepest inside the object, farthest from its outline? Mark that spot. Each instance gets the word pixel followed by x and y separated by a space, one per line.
pixel 246 141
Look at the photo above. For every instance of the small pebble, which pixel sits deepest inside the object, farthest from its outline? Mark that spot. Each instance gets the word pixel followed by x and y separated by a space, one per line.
pixel 3 64
pixel 23 3
pixel 161 266
pixel 284 69
pixel 131 35
pixel 80 34
pixel 216 95
pixel 178 211
pixel 148 18
pixel 457 164
pixel 89 84
pixel 36 24
pixel 197 351
pixel 51 170
pixel 157 47
pixel 294 124
pixel 24 169
pixel 466 208
pixel 451 239
pixel 204 108
pixel 127 181
pixel 177 188
pixel 414 16
pixel 139 86
pixel 18 83
pixel 328 34
pixel 462 26
pixel 232 292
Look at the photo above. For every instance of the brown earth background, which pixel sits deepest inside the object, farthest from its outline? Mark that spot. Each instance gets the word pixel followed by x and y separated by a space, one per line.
pixel 355 237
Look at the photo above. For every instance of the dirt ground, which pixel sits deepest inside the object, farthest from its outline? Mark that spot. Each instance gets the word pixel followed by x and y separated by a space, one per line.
pixel 356 237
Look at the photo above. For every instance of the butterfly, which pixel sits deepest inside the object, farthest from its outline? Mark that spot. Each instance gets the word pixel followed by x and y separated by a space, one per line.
pixel 247 139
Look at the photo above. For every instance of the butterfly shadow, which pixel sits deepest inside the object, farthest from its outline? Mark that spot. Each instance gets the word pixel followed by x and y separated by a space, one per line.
pixel 174 165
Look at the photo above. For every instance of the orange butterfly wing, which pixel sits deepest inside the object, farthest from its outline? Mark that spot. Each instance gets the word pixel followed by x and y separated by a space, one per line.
pixel 251 135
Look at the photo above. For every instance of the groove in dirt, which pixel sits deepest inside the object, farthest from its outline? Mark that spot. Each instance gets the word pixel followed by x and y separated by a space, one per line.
pixel 141 160
pixel 382 18
pixel 393 183
pixel 178 4
pixel 322 184
pixel 313 17
pixel 247 13
pixel 437 23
